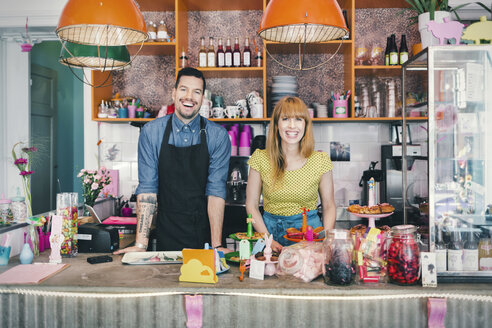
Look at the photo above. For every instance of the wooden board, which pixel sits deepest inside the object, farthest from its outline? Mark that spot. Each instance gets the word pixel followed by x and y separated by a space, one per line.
pixel 28 274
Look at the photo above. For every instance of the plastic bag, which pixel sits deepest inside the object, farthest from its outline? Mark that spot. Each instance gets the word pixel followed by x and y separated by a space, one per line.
pixel 303 260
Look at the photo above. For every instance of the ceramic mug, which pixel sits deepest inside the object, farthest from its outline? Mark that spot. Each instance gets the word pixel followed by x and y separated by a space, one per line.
pixel 205 110
pixel 257 111
pixel 232 111
pixel 218 112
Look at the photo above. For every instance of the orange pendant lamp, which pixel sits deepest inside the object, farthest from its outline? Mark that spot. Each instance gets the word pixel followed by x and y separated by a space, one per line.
pixel 301 21
pixel 102 23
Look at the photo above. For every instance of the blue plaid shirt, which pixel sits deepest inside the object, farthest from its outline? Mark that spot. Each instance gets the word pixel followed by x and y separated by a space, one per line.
pixel 183 135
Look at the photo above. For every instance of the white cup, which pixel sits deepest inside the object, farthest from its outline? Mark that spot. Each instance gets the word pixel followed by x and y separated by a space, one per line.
pixel 257 111
pixel 218 112
pixel 205 111
pixel 232 111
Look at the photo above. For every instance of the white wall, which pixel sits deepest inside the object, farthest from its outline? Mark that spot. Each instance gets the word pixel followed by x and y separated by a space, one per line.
pixel 40 12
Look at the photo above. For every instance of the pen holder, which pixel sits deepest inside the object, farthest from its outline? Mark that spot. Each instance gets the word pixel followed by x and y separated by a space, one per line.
pixel 4 255
pixel 340 108
pixel 131 111
pixel 122 112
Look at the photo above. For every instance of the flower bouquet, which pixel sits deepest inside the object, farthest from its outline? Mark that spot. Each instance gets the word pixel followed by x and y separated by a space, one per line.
pixel 92 184
pixel 23 161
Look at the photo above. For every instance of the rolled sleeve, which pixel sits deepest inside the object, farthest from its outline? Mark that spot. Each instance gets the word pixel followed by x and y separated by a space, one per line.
pixel 219 164
pixel 148 158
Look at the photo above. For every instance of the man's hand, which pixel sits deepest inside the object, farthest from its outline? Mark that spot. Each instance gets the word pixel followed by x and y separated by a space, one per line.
pixel 128 250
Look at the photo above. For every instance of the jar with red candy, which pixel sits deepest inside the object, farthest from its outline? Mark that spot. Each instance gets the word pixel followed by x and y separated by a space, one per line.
pixel 404 255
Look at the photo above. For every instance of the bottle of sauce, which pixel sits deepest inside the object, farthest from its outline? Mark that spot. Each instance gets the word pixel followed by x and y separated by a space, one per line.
pixel 246 54
pixel 220 54
pixel 183 60
pixel 202 54
pixel 393 52
pixel 441 252
pixel 470 253
pixel 236 54
pixel 151 31
pixel 211 53
pixel 162 35
pixel 403 49
pixel 387 52
pixel 455 252
pixel 228 54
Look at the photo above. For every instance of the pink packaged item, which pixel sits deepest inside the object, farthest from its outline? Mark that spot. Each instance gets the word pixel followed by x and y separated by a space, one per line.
pixel 303 260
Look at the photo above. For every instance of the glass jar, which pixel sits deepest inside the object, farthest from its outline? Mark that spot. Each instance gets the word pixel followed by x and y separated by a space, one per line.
pixel 5 212
pixel 339 266
pixel 404 255
pixel 19 209
pixel 65 208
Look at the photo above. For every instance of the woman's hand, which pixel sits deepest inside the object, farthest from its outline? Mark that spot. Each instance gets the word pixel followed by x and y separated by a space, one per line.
pixel 276 247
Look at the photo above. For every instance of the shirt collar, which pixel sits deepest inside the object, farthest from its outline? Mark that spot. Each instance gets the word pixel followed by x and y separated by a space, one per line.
pixel 178 126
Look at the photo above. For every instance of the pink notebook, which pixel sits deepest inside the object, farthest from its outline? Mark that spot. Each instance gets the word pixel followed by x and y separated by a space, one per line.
pixel 30 273
pixel 120 220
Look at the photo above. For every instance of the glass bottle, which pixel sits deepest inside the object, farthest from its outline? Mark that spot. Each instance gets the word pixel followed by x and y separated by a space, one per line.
pixel 151 31
pixel 485 253
pixel 220 54
pixel 103 110
pixel 338 264
pixel 393 52
pixel 228 54
pixel 211 53
pixel 441 252
pixel 259 59
pixel 202 54
pixel 403 49
pixel 18 208
pixel 246 54
pixel 183 60
pixel 236 54
pixel 162 34
pixel 404 255
pixel 470 253
pixel 455 252
pixel 387 52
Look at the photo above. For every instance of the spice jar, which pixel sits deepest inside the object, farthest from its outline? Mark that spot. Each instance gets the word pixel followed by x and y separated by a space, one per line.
pixel 404 255
pixel 338 249
pixel 5 212
pixel 19 209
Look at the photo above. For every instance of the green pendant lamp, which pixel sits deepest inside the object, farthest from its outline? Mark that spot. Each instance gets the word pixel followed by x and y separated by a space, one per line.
pixel 94 57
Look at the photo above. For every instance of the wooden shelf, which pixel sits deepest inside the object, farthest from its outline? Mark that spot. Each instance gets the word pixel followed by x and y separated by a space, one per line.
pixel 366 119
pixel 153 49
pixel 377 70
pixel 381 4
pixel 235 120
pixel 311 48
pixel 219 5
pixel 156 5
pixel 231 72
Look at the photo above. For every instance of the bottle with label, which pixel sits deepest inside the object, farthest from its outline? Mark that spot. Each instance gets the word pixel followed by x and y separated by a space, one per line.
pixel 202 54
pixel 455 252
pixel 259 59
pixel 236 54
pixel 403 49
pixel 211 53
pixel 393 51
pixel 470 253
pixel 441 252
pixel 162 35
pixel 387 52
pixel 246 54
pixel 220 54
pixel 183 60
pixel 151 31
pixel 228 54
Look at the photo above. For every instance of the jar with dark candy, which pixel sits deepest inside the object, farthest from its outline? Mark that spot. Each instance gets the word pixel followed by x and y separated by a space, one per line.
pixel 339 267
pixel 404 255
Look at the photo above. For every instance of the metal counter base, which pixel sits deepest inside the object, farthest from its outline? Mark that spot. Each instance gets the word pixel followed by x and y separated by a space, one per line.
pixel 116 295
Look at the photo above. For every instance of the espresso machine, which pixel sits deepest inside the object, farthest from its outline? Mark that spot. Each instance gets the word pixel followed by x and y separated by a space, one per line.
pixel 237 178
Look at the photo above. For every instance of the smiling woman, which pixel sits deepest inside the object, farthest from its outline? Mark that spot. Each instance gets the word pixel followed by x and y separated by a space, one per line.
pixel 290 175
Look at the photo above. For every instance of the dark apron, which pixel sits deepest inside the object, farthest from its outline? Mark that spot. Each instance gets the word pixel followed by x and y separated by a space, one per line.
pixel 182 219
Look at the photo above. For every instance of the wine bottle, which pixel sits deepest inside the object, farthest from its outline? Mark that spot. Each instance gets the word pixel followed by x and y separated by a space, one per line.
pixel 211 53
pixel 228 54
pixel 183 60
pixel 403 49
pixel 455 252
pixel 236 54
pixel 393 52
pixel 387 52
pixel 470 253
pixel 202 54
pixel 246 54
pixel 220 54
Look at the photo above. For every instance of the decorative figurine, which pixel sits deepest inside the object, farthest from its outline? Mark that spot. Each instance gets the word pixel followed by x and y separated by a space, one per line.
pixel 447 30
pixel 479 31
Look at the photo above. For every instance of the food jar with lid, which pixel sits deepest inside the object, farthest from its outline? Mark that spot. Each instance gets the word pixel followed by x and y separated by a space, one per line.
pixel 5 212
pixel 338 266
pixel 404 255
pixel 19 208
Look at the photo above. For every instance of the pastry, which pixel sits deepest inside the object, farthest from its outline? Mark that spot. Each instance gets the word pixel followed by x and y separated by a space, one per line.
pixel 244 235
pixel 374 210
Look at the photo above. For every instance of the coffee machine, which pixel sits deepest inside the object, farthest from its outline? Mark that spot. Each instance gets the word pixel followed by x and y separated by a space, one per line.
pixel 237 178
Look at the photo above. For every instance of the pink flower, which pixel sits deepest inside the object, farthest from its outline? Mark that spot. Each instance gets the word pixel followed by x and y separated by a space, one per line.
pixel 94 186
pixel 20 161
pixel 29 150
pixel 103 168
pixel 91 171
pixel 97 177
pixel 87 181
pixel 26 172
pixel 83 171
pixel 79 175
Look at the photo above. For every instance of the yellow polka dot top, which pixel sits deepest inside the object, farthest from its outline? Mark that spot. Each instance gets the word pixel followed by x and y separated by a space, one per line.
pixel 299 188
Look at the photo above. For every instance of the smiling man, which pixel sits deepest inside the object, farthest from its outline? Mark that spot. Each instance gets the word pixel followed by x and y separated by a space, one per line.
pixel 183 161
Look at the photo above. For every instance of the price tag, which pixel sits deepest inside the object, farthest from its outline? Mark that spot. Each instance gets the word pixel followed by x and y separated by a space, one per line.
pixel 257 269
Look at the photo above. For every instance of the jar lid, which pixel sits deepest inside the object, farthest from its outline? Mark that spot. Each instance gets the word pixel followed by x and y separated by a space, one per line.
pixel 3 200
pixel 18 198
pixel 404 229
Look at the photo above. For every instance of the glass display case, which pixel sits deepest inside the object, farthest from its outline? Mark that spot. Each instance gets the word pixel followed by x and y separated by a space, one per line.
pixel 458 80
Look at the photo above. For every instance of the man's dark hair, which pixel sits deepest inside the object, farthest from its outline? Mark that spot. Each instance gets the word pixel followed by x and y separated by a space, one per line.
pixel 190 71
